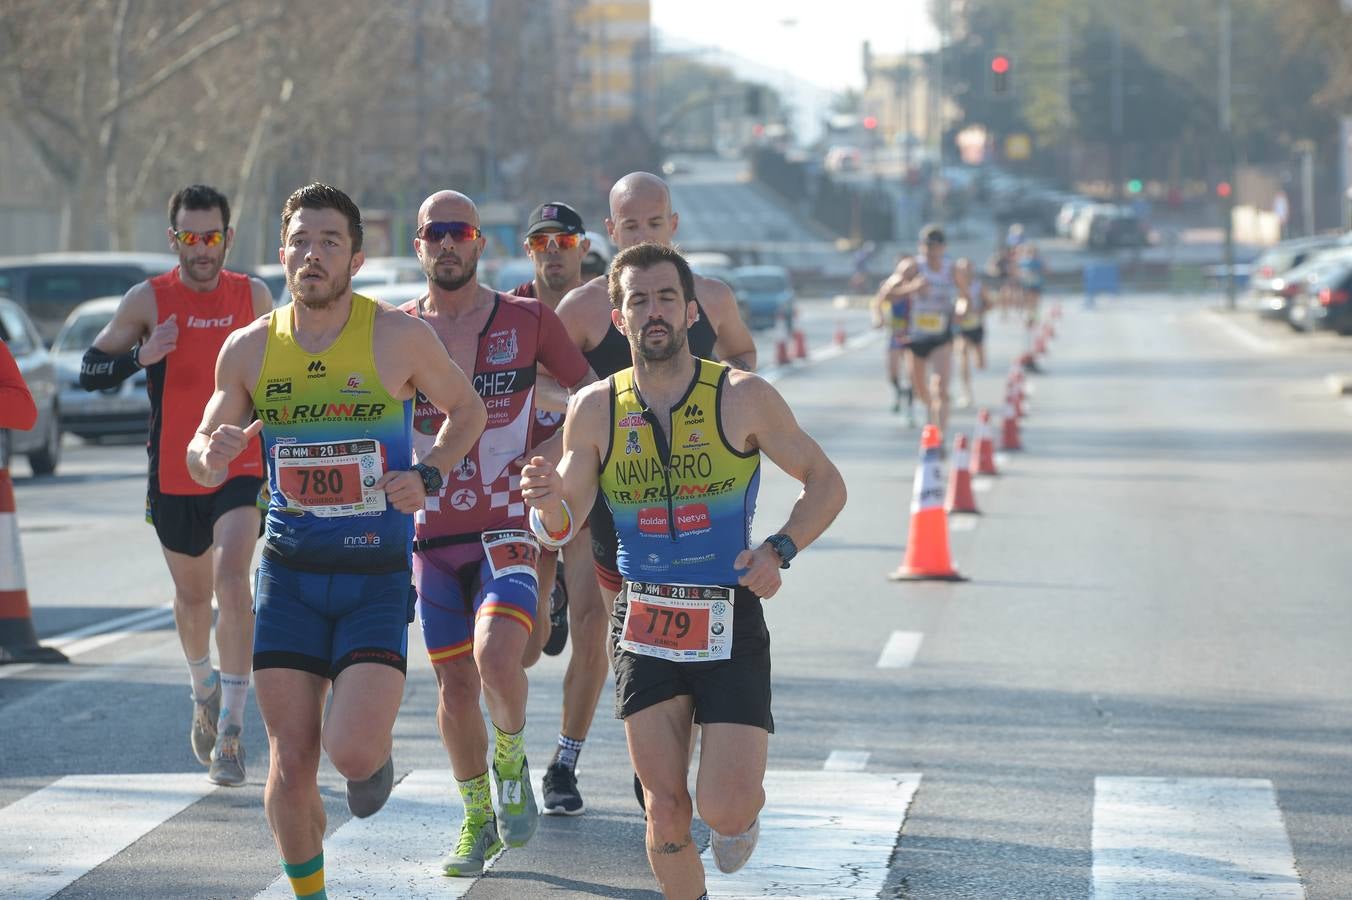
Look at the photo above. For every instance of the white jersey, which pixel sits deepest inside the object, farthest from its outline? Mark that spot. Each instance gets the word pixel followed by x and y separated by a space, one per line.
pixel 932 308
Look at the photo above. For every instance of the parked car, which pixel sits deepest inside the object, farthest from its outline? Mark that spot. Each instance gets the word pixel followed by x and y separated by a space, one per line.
pixel 388 270
pixel 41 443
pixel 712 265
pixel 1119 228
pixel 49 285
pixel 1268 289
pixel 124 409
pixel 274 276
pixel 1325 297
pixel 395 294
pixel 513 272
pixel 1065 216
pixel 765 295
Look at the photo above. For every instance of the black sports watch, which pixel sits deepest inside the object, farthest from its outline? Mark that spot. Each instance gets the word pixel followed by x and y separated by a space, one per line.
pixel 784 546
pixel 431 477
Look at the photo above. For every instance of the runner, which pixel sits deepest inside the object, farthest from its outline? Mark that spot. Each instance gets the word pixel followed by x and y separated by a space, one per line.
pixel 556 242
pixel 475 565
pixel 892 311
pixel 931 285
pixel 970 311
pixel 686 426
pixel 17 409
pixel 332 377
pixel 1031 276
pixel 173 326
pixel 640 210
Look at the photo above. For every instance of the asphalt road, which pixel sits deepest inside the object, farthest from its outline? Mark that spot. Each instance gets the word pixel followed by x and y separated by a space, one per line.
pixel 1140 692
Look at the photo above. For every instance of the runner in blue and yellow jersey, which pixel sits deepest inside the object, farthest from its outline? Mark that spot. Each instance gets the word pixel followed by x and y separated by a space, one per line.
pixel 893 312
pixel 674 445
pixel 332 378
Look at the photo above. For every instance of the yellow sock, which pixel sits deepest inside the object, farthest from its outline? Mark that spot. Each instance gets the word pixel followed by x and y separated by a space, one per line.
pixel 307 878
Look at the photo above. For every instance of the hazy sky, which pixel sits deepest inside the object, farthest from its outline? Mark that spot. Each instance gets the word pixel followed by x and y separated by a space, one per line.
pixel 822 45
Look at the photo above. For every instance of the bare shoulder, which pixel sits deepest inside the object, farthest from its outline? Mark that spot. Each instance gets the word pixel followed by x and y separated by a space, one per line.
pixel 585 296
pixel 139 302
pixel 748 387
pixel 713 292
pixel 594 399
pixel 398 324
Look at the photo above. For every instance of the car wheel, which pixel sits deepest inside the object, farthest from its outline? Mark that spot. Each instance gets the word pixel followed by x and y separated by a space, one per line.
pixel 45 459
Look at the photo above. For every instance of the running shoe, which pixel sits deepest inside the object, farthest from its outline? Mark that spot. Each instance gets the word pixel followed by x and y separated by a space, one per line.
pixel 559 787
pixel 731 853
pixel 896 402
pixel 227 758
pixel 365 798
pixel 515 808
pixel 558 616
pixel 478 844
pixel 203 732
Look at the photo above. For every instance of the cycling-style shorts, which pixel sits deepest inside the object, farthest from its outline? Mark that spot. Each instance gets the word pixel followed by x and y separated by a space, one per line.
pixel 456 585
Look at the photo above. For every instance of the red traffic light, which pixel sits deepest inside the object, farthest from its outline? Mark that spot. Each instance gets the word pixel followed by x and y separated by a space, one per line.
pixel 870 122
pixel 1223 189
pixel 1000 64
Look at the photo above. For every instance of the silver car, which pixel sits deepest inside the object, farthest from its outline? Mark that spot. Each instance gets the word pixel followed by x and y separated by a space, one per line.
pixel 42 443
pixel 124 409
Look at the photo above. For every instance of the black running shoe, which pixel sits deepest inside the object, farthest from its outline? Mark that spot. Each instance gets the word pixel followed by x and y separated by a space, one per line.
pixel 558 618
pixel 560 789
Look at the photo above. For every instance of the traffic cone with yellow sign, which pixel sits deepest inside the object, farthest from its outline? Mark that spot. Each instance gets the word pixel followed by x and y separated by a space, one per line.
pixel 927 557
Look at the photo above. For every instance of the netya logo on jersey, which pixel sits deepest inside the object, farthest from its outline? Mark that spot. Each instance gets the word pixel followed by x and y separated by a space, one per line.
pixel 325 412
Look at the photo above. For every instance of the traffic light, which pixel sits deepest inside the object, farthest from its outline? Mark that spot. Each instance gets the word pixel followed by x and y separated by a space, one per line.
pixel 1134 186
pixel 753 100
pixel 870 122
pixel 1223 189
pixel 1000 69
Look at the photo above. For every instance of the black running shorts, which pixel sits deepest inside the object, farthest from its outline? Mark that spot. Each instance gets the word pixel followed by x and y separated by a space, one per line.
pixel 925 346
pixel 734 690
pixel 185 522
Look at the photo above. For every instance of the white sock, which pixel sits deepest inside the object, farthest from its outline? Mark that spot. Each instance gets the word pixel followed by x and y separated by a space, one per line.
pixel 202 677
pixel 234 694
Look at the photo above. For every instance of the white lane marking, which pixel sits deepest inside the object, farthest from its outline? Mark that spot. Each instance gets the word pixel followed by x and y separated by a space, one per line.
pixel 1245 337
pixel 91 637
pixel 822 834
pixel 1001 460
pixel 983 484
pixel 962 523
pixel 398 852
pixel 48 839
pixel 901 649
pixel 1335 383
pixel 1190 837
pixel 846 761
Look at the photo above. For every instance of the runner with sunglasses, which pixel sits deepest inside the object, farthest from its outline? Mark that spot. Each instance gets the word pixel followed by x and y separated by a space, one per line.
pixel 640 211
pixel 475 560
pixel 173 326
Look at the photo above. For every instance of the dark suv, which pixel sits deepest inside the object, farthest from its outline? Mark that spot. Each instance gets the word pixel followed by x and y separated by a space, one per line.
pixel 49 285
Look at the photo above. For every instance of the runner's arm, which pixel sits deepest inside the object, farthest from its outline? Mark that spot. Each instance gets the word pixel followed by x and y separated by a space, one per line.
pixel 262 297
pixel 112 360
pixel 546 486
pixel 17 410
pixel 733 343
pixel 562 368
pixel 444 383
pixel 222 436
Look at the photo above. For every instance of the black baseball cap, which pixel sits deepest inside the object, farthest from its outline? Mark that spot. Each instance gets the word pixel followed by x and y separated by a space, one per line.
pixel 932 234
pixel 555 216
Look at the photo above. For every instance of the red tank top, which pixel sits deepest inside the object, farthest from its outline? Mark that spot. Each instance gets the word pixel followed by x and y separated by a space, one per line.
pixel 182 383
pixel 484 491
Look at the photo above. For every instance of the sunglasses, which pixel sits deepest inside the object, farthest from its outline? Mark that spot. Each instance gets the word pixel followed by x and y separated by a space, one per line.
pixel 436 232
pixel 543 240
pixel 190 238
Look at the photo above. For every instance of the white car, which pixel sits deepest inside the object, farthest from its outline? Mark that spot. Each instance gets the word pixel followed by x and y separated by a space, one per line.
pixel 42 442
pixel 121 410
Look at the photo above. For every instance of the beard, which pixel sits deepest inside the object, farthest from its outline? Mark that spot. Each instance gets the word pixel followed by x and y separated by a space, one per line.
pixel 318 294
pixel 469 269
pixel 674 345
pixel 201 269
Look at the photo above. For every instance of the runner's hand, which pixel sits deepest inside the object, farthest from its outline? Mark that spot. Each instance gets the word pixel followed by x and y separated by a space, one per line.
pixel 227 442
pixel 404 490
pixel 762 570
pixel 160 344
pixel 541 485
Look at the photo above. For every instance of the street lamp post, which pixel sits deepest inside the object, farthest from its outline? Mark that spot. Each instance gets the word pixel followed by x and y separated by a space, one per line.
pixel 1228 150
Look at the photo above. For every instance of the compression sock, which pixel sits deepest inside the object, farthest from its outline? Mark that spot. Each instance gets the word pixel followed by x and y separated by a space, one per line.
pixel 476 797
pixel 234 694
pixel 203 676
pixel 568 751
pixel 509 752
pixel 307 878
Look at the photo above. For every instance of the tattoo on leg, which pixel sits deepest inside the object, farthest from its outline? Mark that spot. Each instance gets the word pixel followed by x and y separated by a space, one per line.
pixel 671 847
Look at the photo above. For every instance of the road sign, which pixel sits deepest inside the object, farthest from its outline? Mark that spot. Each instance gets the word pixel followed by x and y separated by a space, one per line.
pixel 1018 146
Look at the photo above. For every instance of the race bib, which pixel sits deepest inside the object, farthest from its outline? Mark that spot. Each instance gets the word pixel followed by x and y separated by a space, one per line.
pixel 930 323
pixel 510 551
pixel 331 479
pixel 678 622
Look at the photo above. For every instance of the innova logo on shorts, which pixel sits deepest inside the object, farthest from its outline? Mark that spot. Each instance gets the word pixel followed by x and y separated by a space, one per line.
pixel 369 539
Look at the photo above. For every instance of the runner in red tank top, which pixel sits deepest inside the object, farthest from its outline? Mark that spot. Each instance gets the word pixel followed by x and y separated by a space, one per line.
pixel 174 325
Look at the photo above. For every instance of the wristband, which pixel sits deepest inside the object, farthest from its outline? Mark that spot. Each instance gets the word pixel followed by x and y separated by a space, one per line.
pixel 552 539
pixel 100 371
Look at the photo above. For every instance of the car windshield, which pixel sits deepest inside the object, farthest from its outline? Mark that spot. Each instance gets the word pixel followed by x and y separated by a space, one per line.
pixel 78 335
pixel 761 283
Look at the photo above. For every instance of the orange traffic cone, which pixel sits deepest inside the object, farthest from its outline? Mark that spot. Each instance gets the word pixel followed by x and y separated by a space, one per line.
pixel 1014 397
pixel 927 557
pixel 18 640
pixel 960 498
pixel 799 344
pixel 1009 431
pixel 781 352
pixel 840 333
pixel 983 460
